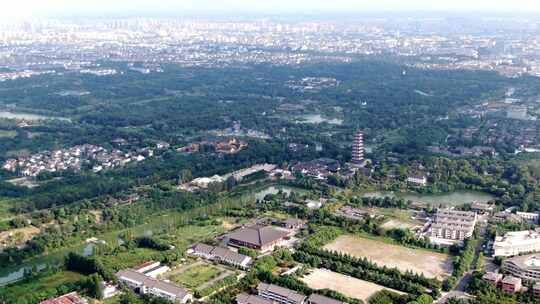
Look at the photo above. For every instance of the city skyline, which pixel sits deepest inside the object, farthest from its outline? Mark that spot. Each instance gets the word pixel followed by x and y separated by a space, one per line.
pixel 62 8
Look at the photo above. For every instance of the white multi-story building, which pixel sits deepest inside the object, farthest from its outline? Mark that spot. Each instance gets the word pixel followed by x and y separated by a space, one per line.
pixel 453 224
pixel 517 242
pixel 526 267
pixel 529 216
pixel 147 285
pixel 280 294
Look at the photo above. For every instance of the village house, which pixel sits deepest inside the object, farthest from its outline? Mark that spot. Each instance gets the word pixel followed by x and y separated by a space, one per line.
pixel 417 180
pixel 511 284
pixel 70 298
pixel 492 278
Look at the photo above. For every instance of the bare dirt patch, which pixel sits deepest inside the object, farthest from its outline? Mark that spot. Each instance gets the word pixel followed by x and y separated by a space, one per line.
pixel 16 237
pixel 397 224
pixel 431 264
pixel 98 214
pixel 227 225
pixel 349 286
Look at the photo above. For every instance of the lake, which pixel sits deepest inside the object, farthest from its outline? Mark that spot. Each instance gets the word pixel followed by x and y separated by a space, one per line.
pixel 449 199
pixel 317 119
pixel 28 116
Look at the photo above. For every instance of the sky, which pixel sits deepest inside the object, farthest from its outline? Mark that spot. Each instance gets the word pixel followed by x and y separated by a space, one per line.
pixel 52 8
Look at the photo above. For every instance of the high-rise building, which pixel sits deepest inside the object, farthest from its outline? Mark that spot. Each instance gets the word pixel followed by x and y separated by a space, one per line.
pixel 358 149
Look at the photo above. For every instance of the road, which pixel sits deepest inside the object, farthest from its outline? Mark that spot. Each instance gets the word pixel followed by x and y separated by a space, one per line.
pixel 460 291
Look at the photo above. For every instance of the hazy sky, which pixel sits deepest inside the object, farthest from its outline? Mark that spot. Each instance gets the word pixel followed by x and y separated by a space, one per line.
pixel 29 8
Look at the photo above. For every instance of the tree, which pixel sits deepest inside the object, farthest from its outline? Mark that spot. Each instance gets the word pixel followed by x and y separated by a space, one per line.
pixel 95 286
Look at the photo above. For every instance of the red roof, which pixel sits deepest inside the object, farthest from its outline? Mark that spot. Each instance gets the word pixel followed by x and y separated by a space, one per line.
pixel 70 298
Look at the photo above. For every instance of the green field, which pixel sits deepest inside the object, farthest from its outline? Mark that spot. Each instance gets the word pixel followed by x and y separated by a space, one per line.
pixel 7 134
pixel 197 275
pixel 43 285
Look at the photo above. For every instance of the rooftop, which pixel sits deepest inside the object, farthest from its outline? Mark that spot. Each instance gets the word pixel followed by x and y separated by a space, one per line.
pixel 281 291
pixel 318 299
pixel 529 262
pixel 492 276
pixel 251 299
pixel 133 275
pixel 70 298
pixel 511 280
pixel 258 235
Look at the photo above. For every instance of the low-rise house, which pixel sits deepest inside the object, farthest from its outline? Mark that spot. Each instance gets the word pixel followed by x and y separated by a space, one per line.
pixel 319 168
pixel 318 299
pixel 157 271
pixel 204 182
pixel 536 289
pixel 70 298
pixel 482 207
pixel 221 255
pixel 511 284
pixel 418 180
pixel 244 298
pixel 263 238
pixel 492 278
pixel 152 269
pixel 314 204
pixel 147 285
pixel 506 216
pixel 108 290
pixel 352 213
pixel 292 223
pixel 280 294
pixel 146 266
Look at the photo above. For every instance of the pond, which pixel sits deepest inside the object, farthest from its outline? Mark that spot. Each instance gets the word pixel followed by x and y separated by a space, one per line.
pixel 14 274
pixel 272 190
pixel 448 199
pixel 317 119
pixel 28 116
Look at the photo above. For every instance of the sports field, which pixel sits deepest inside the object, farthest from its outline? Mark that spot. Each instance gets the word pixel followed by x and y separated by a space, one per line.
pixel 431 264
pixel 348 286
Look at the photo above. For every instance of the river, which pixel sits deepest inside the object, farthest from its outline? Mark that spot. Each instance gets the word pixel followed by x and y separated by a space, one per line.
pixel 446 199
pixel 28 116
pixel 13 274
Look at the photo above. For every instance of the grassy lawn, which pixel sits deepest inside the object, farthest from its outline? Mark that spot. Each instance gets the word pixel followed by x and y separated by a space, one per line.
pixel 131 258
pixel 5 205
pixel 19 291
pixel 7 134
pixel 113 300
pixel 197 275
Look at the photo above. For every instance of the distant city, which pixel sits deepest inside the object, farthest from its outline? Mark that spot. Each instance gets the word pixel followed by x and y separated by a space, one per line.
pixel 62 46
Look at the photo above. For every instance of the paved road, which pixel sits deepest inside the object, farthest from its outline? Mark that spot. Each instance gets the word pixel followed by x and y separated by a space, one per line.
pixel 459 291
